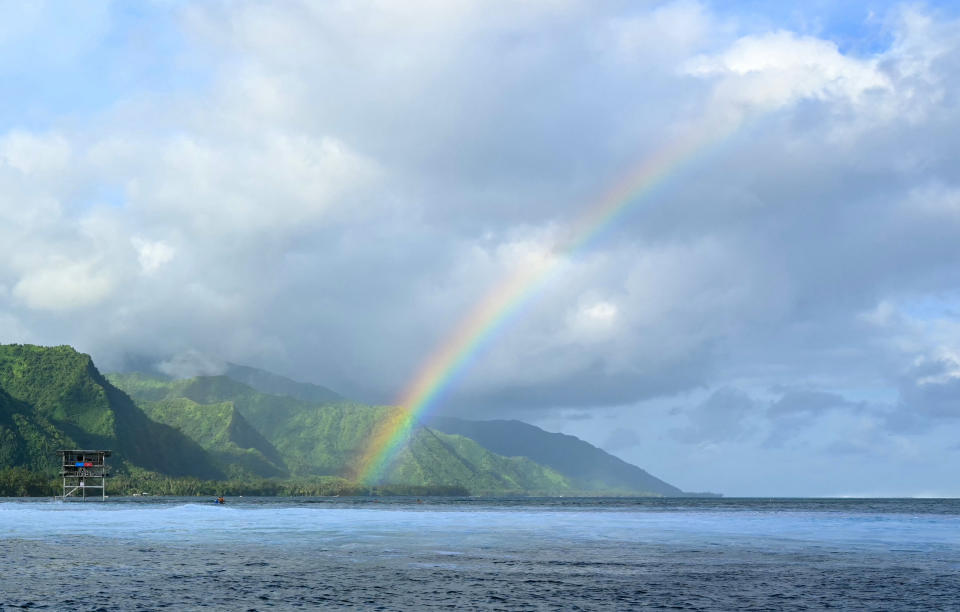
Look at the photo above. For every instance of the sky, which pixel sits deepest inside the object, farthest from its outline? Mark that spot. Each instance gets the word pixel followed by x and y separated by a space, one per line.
pixel 326 189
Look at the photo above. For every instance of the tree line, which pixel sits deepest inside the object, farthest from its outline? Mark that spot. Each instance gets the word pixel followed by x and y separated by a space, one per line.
pixel 22 482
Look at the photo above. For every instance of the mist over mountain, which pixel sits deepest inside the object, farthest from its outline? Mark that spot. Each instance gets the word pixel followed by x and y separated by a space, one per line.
pixel 749 210
pixel 330 438
pixel 587 467
pixel 217 427
pixel 274 384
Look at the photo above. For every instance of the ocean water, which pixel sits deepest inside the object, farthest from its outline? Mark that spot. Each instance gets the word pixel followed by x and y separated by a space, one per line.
pixel 513 554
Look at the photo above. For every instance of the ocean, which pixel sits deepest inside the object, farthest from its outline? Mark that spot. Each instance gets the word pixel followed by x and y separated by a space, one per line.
pixel 152 553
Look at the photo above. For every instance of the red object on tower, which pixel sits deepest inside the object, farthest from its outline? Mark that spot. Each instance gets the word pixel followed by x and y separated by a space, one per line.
pixel 83 472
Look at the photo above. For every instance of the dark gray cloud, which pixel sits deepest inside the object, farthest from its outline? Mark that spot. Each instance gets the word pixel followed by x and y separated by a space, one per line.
pixel 806 402
pixel 326 192
pixel 929 397
pixel 723 416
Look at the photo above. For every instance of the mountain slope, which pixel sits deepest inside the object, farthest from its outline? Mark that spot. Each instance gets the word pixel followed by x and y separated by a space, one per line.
pixel 330 439
pixel 274 384
pixel 588 467
pixel 475 468
pixel 54 397
pixel 236 447
pixel 27 439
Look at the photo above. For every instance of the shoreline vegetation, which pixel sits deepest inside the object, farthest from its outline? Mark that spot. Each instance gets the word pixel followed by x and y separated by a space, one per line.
pixel 21 482
pixel 214 435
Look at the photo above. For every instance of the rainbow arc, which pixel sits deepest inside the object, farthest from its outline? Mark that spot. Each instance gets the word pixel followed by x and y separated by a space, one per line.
pixel 489 316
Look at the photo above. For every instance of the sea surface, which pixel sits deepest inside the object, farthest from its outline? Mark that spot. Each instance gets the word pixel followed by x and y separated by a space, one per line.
pixel 152 553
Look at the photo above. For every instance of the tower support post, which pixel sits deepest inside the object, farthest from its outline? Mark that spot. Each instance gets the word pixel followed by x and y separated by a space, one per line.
pixel 81 470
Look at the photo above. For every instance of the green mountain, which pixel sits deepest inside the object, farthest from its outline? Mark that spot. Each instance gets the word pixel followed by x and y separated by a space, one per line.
pixel 274 384
pixel 234 446
pixel 586 467
pixel 27 439
pixel 328 439
pixel 54 397
pixel 217 427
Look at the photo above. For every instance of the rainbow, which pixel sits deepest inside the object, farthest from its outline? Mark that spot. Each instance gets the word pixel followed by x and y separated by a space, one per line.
pixel 501 305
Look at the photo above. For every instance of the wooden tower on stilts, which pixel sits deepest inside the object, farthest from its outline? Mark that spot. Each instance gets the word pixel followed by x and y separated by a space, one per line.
pixel 82 471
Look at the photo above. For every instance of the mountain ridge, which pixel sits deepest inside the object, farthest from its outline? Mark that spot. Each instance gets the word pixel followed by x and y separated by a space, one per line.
pixel 592 469
pixel 54 397
pixel 215 427
pixel 588 467
pixel 330 439
pixel 276 384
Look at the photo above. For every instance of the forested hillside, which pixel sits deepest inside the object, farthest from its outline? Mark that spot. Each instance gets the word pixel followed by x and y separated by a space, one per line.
pixel 55 397
pixel 588 467
pixel 329 439
pixel 274 384
pixel 299 437
pixel 585 467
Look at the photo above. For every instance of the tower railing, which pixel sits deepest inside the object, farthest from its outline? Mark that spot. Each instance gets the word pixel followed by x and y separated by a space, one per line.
pixel 82 471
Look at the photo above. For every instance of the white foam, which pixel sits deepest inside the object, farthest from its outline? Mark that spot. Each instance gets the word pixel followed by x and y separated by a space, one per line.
pixel 449 528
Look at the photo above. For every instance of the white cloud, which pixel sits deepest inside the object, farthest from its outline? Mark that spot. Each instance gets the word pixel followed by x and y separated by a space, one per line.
pixel 64 286
pixel 775 69
pixel 344 182
pixel 190 363
pixel 270 183
pixel 152 255
pixel 670 31
pixel 41 155
pixel 599 312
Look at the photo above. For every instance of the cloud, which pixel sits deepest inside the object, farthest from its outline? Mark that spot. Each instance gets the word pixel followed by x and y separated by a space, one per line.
pixel 806 402
pixel 778 68
pixel 64 286
pixel 152 255
pixel 268 185
pixel 836 421
pixel 38 155
pixel 191 363
pixel 666 33
pixel 929 396
pixel 326 191
pixel 723 416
